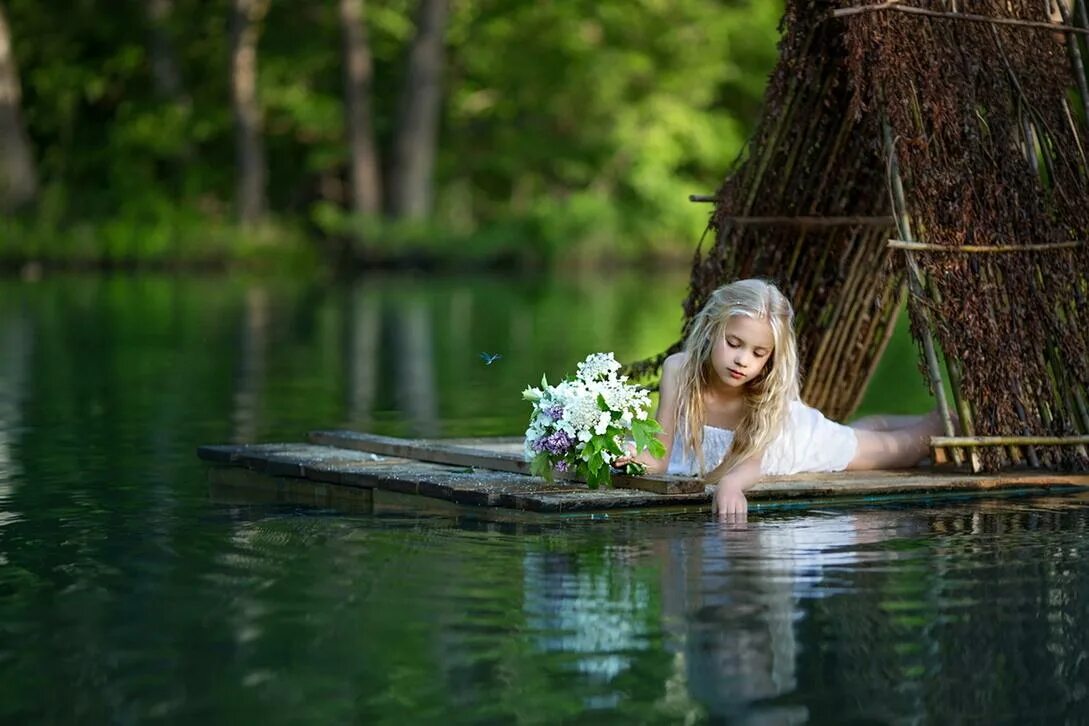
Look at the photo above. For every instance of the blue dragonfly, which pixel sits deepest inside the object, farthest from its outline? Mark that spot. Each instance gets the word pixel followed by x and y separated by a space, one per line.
pixel 490 358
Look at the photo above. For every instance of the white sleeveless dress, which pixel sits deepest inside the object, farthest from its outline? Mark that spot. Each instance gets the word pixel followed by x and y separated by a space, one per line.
pixel 809 442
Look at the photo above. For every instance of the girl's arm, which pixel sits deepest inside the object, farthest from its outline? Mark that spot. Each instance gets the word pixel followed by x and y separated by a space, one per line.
pixel 667 404
pixel 729 500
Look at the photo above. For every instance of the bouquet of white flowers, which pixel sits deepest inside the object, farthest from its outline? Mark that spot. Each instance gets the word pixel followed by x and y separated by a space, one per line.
pixel 580 425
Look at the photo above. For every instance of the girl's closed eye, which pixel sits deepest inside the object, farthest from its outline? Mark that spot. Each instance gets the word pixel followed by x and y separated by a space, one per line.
pixel 761 352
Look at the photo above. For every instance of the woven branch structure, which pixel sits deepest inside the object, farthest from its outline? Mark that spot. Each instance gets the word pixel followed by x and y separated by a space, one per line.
pixel 947 149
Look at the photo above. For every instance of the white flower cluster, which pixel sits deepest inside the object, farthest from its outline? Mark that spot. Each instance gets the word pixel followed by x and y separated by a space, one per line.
pixel 567 415
pixel 598 366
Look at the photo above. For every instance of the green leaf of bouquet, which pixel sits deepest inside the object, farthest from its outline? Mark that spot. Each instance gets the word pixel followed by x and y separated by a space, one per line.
pixel 595 479
pixel 656 447
pixel 601 404
pixel 606 477
pixel 541 466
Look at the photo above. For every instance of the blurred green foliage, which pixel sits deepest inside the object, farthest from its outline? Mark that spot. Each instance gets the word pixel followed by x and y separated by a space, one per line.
pixel 571 131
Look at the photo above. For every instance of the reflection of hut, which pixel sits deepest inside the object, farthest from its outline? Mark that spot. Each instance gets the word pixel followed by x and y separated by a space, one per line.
pixel 956 135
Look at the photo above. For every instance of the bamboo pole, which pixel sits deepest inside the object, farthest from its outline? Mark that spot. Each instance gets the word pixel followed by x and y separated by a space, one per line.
pixel 1030 450
pixel 1082 169
pixel 1062 392
pixel 996 282
pixel 971 17
pixel 863 325
pixel 892 314
pixel 848 308
pixel 1064 395
pixel 854 251
pixel 788 173
pixel 771 143
pixel 1083 408
pixel 769 150
pixel 1075 58
pixel 805 130
pixel 832 377
pixel 956 379
pixel 803 220
pixel 925 247
pixel 978 441
pixel 899 208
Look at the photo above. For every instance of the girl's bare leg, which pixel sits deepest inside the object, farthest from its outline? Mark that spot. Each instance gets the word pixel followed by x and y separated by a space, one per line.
pixel 883 422
pixel 898 448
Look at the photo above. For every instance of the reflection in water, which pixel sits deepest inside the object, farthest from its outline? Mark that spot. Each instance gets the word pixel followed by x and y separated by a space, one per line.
pixel 15 351
pixel 732 611
pixel 130 593
pixel 363 333
pixel 594 612
pixel 252 362
pixel 415 364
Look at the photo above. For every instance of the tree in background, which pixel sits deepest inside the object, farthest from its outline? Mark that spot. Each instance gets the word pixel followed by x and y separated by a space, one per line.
pixel 510 129
pixel 364 169
pixel 18 176
pixel 252 171
pixel 411 175
pixel 164 61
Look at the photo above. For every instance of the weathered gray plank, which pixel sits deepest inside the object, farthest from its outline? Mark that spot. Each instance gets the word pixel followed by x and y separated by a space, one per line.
pixel 313 466
pixel 439 452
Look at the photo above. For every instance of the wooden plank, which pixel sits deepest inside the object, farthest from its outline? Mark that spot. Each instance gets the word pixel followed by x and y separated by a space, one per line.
pixel 438 452
pixel 238 485
pixel 943 441
pixel 309 474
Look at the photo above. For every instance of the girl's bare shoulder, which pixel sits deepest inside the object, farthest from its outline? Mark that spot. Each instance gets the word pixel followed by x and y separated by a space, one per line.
pixel 672 365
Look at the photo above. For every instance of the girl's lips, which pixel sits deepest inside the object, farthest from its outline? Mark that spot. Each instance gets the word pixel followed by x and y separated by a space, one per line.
pixel 735 374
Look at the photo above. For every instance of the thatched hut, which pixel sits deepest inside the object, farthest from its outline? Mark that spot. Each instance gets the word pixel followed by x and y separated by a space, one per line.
pixel 933 151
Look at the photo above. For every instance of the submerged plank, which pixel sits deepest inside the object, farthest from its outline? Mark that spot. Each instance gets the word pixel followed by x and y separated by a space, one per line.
pixel 497 458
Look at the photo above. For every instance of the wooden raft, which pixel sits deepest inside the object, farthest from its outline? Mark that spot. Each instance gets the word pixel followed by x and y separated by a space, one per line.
pixel 488 473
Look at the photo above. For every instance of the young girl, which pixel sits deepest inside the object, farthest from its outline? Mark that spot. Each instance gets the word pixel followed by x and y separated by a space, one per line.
pixel 730 409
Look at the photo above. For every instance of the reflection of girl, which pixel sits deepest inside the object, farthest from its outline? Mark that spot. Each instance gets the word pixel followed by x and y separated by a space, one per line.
pixel 737 596
pixel 731 400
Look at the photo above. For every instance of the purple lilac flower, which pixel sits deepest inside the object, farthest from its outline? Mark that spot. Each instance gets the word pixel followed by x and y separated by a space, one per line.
pixel 562 466
pixel 554 412
pixel 558 442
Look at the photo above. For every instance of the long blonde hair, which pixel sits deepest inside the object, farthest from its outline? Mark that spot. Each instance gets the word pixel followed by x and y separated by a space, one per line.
pixel 767 398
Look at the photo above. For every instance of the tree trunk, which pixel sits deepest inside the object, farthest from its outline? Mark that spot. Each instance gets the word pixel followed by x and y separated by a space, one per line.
pixel 250 151
pixel 363 164
pixel 413 163
pixel 18 175
pixel 165 72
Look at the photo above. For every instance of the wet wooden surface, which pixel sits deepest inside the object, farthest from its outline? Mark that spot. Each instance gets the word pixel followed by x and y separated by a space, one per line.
pixel 287 467
pixel 499 455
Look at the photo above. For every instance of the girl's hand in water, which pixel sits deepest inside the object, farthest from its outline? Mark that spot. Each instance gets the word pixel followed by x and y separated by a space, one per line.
pixel 730 503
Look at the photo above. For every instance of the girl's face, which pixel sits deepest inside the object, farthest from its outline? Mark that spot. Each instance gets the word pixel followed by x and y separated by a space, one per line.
pixel 742 351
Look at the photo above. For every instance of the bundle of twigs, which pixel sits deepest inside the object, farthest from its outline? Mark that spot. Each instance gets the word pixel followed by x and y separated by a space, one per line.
pixel 807 208
pixel 957 125
pixel 980 136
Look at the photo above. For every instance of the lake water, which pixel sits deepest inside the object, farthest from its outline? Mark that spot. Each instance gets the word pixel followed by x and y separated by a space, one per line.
pixel 129 593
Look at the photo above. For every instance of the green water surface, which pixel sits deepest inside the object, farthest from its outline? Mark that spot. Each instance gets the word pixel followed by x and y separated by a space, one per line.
pixel 130 594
